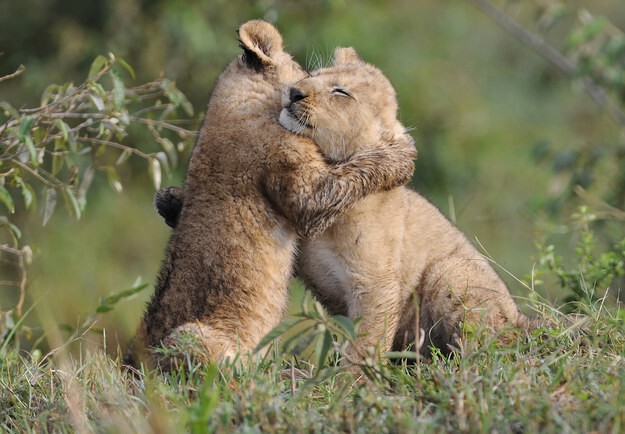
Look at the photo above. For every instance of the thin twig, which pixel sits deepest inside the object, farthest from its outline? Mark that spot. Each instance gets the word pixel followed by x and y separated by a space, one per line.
pixel 182 132
pixel 52 182
pixel 95 141
pixel 17 72
pixel 552 55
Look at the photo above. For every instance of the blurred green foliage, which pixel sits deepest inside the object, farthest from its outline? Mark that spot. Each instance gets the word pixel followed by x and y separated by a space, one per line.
pixel 508 145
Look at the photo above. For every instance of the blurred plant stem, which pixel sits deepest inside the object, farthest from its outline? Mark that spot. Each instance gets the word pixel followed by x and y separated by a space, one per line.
pixel 553 56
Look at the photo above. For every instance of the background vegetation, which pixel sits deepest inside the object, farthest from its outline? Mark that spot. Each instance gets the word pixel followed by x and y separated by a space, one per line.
pixel 513 137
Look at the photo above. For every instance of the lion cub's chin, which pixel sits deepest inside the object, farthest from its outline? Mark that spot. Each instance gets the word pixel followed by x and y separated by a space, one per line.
pixel 290 123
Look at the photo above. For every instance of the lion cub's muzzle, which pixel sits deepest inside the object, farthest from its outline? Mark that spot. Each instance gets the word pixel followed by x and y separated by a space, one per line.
pixel 296 95
pixel 293 116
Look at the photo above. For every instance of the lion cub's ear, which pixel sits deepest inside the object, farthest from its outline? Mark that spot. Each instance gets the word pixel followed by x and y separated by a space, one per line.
pixel 345 55
pixel 260 42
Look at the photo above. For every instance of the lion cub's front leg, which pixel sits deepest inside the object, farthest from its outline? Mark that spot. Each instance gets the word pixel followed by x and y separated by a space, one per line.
pixel 312 193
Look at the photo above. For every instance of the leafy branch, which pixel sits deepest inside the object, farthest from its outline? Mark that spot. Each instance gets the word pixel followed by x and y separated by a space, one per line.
pixel 52 152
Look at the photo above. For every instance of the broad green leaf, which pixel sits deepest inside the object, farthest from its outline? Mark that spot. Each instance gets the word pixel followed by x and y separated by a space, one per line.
pixel 323 347
pixel 176 97
pixel 346 325
pixel 208 400
pixel 6 199
pixel 99 63
pixel 57 158
pixel 63 127
pixel 49 203
pixel 26 124
pixel 16 234
pixel 71 203
pixel 85 183
pixel 32 151
pixel 401 355
pixel 309 332
pixel 119 91
pixel 587 32
pixel 27 194
pixel 304 340
pixel 97 101
pixel 106 303
pixel 277 331
pixel 50 93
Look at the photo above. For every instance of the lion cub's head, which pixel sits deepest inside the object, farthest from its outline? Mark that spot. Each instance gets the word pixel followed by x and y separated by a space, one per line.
pixel 345 108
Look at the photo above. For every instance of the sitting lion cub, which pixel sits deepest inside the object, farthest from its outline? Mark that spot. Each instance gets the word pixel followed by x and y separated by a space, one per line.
pixel 392 254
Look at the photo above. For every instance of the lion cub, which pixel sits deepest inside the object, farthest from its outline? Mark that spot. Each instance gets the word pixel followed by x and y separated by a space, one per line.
pixel 393 253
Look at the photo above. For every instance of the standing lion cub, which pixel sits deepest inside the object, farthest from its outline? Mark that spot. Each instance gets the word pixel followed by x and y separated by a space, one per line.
pixel 392 254
pixel 251 190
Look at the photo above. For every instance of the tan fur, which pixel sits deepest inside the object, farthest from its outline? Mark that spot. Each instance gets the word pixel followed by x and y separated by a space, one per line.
pixel 393 253
pixel 251 188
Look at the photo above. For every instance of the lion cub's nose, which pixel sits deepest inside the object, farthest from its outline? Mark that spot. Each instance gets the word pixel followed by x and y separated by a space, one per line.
pixel 296 95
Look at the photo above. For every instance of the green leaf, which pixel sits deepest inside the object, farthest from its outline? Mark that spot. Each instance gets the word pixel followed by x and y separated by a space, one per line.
pixel 57 157
pixel 97 101
pixel 16 234
pixel 85 183
pixel 71 203
pixel 49 203
pixel 119 91
pixel 32 151
pixel 208 400
pixel 277 331
pixel 27 193
pixel 587 32
pixel 106 303
pixel 26 124
pixel 50 93
pixel 63 127
pixel 346 325
pixel 304 340
pixel 6 199
pixel 98 65
pixel 127 67
pixel 401 355
pixel 176 97
pixel 323 347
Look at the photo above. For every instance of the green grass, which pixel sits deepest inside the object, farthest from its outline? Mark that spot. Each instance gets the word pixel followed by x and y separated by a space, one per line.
pixel 567 378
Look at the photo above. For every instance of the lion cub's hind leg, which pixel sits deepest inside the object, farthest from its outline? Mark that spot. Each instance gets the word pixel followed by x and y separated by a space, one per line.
pixel 196 342
pixel 464 291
